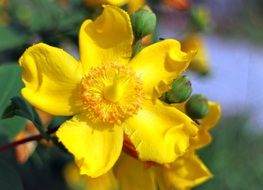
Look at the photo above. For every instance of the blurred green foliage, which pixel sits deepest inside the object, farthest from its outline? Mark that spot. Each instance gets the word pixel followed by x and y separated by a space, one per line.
pixel 245 23
pixel 235 155
pixel 32 21
pixel 10 85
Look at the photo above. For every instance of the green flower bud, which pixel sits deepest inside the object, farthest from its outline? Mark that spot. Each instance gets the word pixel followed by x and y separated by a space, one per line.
pixel 197 106
pixel 143 23
pixel 180 90
pixel 201 18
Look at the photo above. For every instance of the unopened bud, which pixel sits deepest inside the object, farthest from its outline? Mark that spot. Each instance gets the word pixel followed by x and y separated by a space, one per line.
pixel 180 90
pixel 197 106
pixel 143 22
pixel 201 18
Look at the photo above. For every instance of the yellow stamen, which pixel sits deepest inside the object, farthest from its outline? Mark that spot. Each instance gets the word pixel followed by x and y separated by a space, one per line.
pixel 111 93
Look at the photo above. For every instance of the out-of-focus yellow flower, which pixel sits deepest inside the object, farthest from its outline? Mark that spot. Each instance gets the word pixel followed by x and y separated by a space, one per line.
pixel 109 94
pixel 199 63
pixel 185 173
pixel 131 174
pixel 110 2
pixel 75 181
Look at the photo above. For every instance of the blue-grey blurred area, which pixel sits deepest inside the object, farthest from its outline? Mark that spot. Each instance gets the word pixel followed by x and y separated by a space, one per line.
pixel 234 46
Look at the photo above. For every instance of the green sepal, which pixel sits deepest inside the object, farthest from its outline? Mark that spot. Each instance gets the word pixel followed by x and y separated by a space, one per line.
pixel 143 23
pixel 180 91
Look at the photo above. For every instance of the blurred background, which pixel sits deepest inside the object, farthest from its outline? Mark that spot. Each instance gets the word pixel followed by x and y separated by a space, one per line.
pixel 231 34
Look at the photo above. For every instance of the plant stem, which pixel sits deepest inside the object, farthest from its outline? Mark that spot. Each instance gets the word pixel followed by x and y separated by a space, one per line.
pixel 26 140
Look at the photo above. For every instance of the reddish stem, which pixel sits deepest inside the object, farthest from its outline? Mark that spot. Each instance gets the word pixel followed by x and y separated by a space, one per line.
pixel 25 140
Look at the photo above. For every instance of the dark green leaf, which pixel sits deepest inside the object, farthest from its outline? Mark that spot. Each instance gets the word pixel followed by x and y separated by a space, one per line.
pixel 10 85
pixel 9 38
pixel 9 178
pixel 19 107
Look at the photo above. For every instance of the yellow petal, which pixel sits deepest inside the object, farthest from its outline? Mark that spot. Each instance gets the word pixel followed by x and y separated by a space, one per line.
pixel 104 182
pixel 160 132
pixel 95 147
pixel 76 181
pixel 107 40
pixel 51 78
pixel 200 60
pixel 213 115
pixel 203 137
pixel 160 62
pixel 134 5
pixel 132 174
pixel 186 172
pixel 115 2
pixel 100 2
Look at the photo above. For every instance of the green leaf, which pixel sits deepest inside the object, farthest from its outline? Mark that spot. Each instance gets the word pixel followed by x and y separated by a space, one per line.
pixel 19 107
pixel 9 39
pixel 57 121
pixel 10 85
pixel 9 178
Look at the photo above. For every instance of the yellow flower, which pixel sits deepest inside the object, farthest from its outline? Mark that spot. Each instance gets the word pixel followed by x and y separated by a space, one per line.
pixel 111 2
pixel 75 181
pixel 203 137
pixel 134 5
pixel 109 94
pixel 130 174
pixel 186 172
pixel 199 63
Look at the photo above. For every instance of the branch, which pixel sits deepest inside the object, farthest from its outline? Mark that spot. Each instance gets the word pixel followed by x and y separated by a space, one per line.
pixel 26 140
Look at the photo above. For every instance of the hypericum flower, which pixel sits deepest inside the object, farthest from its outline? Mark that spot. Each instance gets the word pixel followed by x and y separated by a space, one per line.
pixel 109 94
pixel 130 174
pixel 75 181
pixel 184 173
pixel 111 2
pixel 199 63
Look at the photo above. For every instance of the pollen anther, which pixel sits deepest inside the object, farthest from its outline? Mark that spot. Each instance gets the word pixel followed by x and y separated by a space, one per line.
pixel 111 93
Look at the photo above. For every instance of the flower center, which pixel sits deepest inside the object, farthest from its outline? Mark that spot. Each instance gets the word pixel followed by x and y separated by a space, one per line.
pixel 111 93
